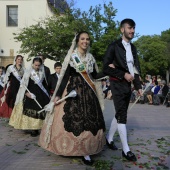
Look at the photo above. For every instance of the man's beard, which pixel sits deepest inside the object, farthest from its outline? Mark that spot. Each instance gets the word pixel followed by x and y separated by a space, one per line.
pixel 127 36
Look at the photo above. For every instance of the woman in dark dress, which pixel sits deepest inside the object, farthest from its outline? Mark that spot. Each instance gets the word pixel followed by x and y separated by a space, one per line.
pixel 12 80
pixel 76 126
pixel 25 113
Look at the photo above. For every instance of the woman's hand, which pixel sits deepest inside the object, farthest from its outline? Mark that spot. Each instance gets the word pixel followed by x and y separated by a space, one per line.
pixel 111 65
pixel 28 95
pixel 56 99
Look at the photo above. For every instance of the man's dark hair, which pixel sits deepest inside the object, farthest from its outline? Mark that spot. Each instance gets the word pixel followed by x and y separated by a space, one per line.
pixel 37 59
pixel 57 64
pixel 127 21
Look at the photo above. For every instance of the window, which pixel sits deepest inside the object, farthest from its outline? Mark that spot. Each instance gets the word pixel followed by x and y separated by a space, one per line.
pixel 12 16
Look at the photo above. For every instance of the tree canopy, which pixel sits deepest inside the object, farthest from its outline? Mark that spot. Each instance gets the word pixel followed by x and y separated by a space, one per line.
pixel 152 52
pixel 53 36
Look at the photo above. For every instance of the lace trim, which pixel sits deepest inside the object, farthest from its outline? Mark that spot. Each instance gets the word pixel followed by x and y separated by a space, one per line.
pixel 34 114
pixel 88 61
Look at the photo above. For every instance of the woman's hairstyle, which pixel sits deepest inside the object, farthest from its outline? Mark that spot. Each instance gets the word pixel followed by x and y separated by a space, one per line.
pixel 78 35
pixel 18 57
pixel 1 67
pixel 37 59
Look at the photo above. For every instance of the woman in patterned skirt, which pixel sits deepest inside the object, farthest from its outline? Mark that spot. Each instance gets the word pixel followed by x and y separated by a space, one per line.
pixel 32 95
pixel 76 126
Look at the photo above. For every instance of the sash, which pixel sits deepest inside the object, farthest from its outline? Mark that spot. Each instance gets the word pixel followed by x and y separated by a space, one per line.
pixel 38 82
pixel 1 81
pixel 80 67
pixel 15 73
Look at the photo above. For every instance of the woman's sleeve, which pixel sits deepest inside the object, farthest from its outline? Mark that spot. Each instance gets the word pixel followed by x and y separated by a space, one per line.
pixel 96 75
pixel 64 82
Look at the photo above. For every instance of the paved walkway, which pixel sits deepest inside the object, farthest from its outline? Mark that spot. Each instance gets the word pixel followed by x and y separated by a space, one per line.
pixel 148 135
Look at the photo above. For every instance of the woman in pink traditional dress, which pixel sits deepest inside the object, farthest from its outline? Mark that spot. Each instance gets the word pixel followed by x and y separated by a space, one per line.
pixel 12 80
pixel 76 126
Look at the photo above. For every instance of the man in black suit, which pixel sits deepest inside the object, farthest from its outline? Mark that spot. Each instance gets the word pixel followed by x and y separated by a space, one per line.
pixel 122 65
pixel 53 78
pixel 164 91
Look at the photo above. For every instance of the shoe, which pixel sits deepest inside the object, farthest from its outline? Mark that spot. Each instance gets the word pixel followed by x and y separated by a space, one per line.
pixel 111 145
pixel 27 131
pixel 87 162
pixel 34 133
pixel 168 104
pixel 130 156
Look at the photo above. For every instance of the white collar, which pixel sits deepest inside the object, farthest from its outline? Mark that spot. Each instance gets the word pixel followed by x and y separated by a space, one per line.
pixel 125 43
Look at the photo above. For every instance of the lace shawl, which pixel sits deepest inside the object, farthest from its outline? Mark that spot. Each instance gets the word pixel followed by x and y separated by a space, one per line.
pixel 24 83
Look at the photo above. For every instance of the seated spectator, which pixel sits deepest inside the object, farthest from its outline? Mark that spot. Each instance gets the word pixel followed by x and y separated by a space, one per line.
pixel 146 80
pixel 163 91
pixel 154 92
pixel 147 92
pixel 159 79
pixel 154 78
pixel 168 103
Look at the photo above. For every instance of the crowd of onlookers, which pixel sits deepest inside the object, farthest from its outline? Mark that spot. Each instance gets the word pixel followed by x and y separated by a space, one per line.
pixel 155 91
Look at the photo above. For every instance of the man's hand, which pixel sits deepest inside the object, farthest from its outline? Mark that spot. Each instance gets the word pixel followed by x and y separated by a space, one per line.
pixel 128 77
pixel 111 65
pixel 140 92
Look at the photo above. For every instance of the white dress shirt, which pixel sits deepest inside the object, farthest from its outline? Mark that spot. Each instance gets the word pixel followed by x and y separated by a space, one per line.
pixel 129 57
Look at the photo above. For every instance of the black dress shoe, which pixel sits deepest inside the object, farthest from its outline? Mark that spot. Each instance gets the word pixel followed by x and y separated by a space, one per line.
pixel 34 133
pixel 111 145
pixel 168 104
pixel 130 156
pixel 87 162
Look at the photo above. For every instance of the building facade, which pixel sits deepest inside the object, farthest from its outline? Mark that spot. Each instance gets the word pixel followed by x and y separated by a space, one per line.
pixel 15 15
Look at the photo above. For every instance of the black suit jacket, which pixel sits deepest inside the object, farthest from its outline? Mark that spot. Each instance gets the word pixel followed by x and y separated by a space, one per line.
pixel 116 54
pixel 47 72
pixel 52 81
pixel 165 90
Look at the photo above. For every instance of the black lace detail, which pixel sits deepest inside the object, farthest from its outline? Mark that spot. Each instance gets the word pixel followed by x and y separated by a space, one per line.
pixel 34 114
pixel 82 113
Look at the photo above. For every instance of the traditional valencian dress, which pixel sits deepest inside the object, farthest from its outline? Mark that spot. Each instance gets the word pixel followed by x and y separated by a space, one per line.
pixel 25 114
pixel 11 85
pixel 76 126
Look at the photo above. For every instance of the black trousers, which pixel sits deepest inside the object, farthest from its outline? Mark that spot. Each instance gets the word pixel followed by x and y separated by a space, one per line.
pixel 121 92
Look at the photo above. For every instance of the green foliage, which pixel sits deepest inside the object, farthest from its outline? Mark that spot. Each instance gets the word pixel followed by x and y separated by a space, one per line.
pixel 103 165
pixel 165 36
pixel 152 52
pixel 53 35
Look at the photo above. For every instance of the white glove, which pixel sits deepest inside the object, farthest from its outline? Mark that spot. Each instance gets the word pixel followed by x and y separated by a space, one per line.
pixel 32 96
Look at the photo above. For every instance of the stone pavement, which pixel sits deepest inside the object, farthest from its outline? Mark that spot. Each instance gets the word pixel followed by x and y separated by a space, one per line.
pixel 148 135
